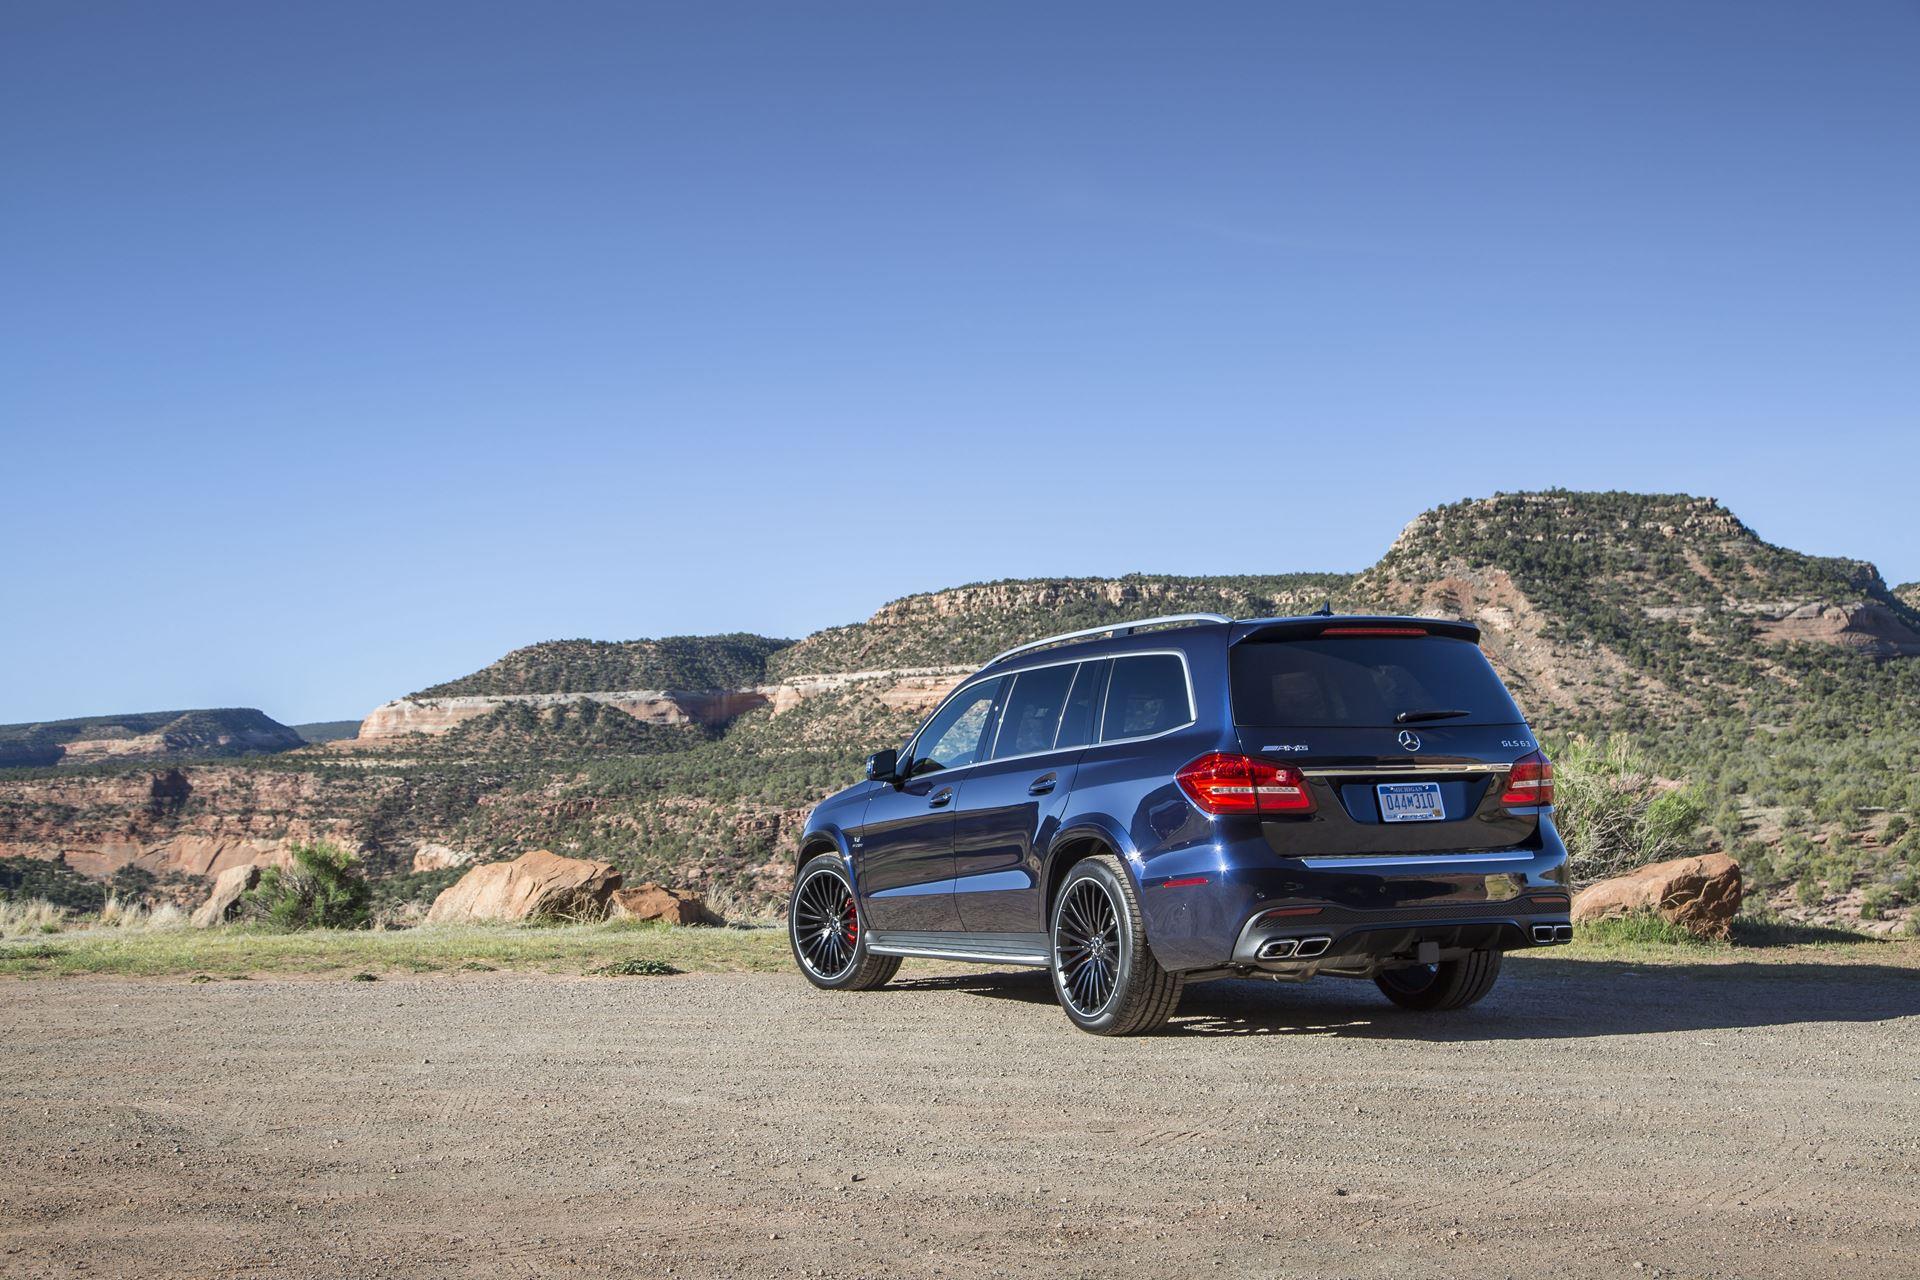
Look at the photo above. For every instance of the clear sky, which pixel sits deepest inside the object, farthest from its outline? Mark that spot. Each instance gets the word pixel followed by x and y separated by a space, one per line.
pixel 345 346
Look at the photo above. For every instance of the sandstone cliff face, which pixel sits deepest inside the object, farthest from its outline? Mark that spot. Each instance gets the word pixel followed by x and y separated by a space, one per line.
pixel 1864 626
pixel 916 687
pixel 196 821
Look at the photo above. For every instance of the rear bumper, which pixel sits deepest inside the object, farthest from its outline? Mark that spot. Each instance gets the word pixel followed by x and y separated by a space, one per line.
pixel 1372 911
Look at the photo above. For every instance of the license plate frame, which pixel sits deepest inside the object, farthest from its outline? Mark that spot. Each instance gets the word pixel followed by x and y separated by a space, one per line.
pixel 1410 802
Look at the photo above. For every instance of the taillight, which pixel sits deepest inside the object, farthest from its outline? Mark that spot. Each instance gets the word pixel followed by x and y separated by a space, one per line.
pixel 1530 782
pixel 1220 782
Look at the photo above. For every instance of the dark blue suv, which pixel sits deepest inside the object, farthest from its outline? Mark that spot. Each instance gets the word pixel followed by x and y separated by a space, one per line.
pixel 1191 797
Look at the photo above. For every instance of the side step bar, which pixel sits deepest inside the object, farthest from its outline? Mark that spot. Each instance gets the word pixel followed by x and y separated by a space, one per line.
pixel 1029 950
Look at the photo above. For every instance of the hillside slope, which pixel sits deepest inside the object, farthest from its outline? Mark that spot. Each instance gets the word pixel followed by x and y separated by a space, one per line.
pixel 576 666
pixel 145 735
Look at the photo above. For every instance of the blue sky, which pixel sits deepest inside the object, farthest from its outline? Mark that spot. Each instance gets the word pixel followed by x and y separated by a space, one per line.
pixel 344 347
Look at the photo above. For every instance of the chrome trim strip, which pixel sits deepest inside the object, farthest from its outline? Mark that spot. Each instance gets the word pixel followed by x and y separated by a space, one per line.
pixel 1373 770
pixel 1419 860
pixel 1031 958
pixel 1117 628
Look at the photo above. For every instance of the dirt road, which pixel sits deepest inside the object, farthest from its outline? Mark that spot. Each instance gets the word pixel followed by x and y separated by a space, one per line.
pixel 1587 1119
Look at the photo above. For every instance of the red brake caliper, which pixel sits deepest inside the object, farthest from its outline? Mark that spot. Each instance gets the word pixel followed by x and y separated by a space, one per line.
pixel 853 924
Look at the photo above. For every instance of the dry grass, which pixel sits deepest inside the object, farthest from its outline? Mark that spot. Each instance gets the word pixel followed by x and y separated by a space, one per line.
pixel 242 951
pixel 30 918
pixel 137 915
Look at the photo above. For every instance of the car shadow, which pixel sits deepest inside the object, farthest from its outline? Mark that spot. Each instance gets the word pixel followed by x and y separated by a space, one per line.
pixel 1536 999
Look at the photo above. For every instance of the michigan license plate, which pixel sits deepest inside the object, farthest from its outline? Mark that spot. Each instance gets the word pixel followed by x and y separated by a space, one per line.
pixel 1411 802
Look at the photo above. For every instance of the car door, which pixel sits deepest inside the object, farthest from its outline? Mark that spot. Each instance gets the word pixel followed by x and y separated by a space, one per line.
pixel 1014 798
pixel 905 842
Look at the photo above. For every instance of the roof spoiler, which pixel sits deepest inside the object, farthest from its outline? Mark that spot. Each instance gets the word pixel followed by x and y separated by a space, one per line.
pixel 1306 628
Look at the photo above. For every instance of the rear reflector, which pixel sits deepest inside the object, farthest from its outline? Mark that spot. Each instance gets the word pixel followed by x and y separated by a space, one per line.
pixel 1220 782
pixel 1530 781
pixel 1182 882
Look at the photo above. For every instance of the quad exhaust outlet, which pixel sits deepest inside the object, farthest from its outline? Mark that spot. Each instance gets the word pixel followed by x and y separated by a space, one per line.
pixel 1545 933
pixel 1294 948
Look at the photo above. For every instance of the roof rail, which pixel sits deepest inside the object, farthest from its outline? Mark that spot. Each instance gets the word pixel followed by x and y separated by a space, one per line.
pixel 1116 629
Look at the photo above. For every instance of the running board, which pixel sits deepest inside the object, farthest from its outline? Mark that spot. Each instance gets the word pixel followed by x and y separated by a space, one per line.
pixel 971 948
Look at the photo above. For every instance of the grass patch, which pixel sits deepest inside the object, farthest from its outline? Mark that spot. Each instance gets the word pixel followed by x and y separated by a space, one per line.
pixel 1646 938
pixel 238 951
pixel 634 967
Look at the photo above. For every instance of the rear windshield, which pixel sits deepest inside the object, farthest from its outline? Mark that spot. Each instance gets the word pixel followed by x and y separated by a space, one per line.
pixel 1366 681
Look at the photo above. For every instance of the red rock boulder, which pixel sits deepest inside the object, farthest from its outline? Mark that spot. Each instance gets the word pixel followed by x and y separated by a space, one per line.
pixel 657 902
pixel 536 884
pixel 1701 894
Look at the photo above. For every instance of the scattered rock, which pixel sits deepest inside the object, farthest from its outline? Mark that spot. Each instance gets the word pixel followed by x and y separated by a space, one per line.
pixel 1701 894
pixel 438 857
pixel 657 902
pixel 536 884
pixel 228 888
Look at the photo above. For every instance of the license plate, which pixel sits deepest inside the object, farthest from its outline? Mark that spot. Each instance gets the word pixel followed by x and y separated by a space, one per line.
pixel 1411 802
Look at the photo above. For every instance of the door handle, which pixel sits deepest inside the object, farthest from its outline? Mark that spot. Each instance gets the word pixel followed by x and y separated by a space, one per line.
pixel 1041 785
pixel 941 798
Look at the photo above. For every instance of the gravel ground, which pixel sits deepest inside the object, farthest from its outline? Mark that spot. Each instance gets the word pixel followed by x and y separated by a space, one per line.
pixel 1588 1118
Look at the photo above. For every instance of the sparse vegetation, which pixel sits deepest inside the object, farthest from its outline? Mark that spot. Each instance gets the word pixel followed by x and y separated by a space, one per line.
pixel 324 889
pixel 1615 814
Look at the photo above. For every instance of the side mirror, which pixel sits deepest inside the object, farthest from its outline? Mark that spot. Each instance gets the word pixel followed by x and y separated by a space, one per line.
pixel 883 766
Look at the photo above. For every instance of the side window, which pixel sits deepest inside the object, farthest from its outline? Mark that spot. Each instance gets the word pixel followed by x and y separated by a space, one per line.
pixel 1146 695
pixel 1083 704
pixel 952 738
pixel 1033 711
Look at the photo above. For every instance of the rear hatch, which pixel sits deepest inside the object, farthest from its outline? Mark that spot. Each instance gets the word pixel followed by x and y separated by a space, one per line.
pixel 1402 730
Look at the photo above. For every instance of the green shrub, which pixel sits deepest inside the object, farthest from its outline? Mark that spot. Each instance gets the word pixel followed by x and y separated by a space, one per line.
pixel 323 890
pixel 1612 813
pixel 1875 901
pixel 1895 828
pixel 1809 892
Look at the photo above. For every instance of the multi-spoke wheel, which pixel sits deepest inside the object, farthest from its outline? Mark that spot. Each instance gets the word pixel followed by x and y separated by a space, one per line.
pixel 1103 970
pixel 1450 984
pixel 823 924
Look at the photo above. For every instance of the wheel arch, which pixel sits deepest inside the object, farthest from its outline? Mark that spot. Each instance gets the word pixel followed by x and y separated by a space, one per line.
pixel 1076 844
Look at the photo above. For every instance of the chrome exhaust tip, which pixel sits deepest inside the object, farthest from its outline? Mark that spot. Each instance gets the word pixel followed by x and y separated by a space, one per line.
pixel 1310 947
pixel 1543 933
pixel 1563 933
pixel 1277 949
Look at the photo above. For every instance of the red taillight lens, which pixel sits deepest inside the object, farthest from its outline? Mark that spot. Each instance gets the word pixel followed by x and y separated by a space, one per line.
pixel 1531 781
pixel 1219 782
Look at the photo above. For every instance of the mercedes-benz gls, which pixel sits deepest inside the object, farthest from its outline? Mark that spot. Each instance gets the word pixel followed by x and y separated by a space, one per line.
pixel 1177 799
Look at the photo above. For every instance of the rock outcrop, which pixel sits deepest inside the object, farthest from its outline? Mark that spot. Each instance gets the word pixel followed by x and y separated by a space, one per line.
pixel 536 884
pixel 1865 626
pixel 1701 894
pixel 439 857
pixel 228 887
pixel 913 688
pixel 657 902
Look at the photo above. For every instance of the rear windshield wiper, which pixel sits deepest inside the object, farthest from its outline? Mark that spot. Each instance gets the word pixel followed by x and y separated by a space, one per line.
pixel 1412 717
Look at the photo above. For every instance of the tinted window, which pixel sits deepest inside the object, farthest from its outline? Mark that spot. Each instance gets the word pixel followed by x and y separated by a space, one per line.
pixel 1145 695
pixel 1033 711
pixel 952 737
pixel 1366 680
pixel 1076 725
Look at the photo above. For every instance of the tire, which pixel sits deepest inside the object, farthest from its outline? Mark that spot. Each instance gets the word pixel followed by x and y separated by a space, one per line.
pixel 1451 984
pixel 836 960
pixel 1104 973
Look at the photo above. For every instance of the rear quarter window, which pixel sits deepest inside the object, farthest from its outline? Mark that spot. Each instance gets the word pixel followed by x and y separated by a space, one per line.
pixel 1365 681
pixel 1146 695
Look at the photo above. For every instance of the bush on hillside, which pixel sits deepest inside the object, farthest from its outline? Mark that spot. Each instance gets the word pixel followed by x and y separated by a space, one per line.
pixel 322 890
pixel 1614 815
